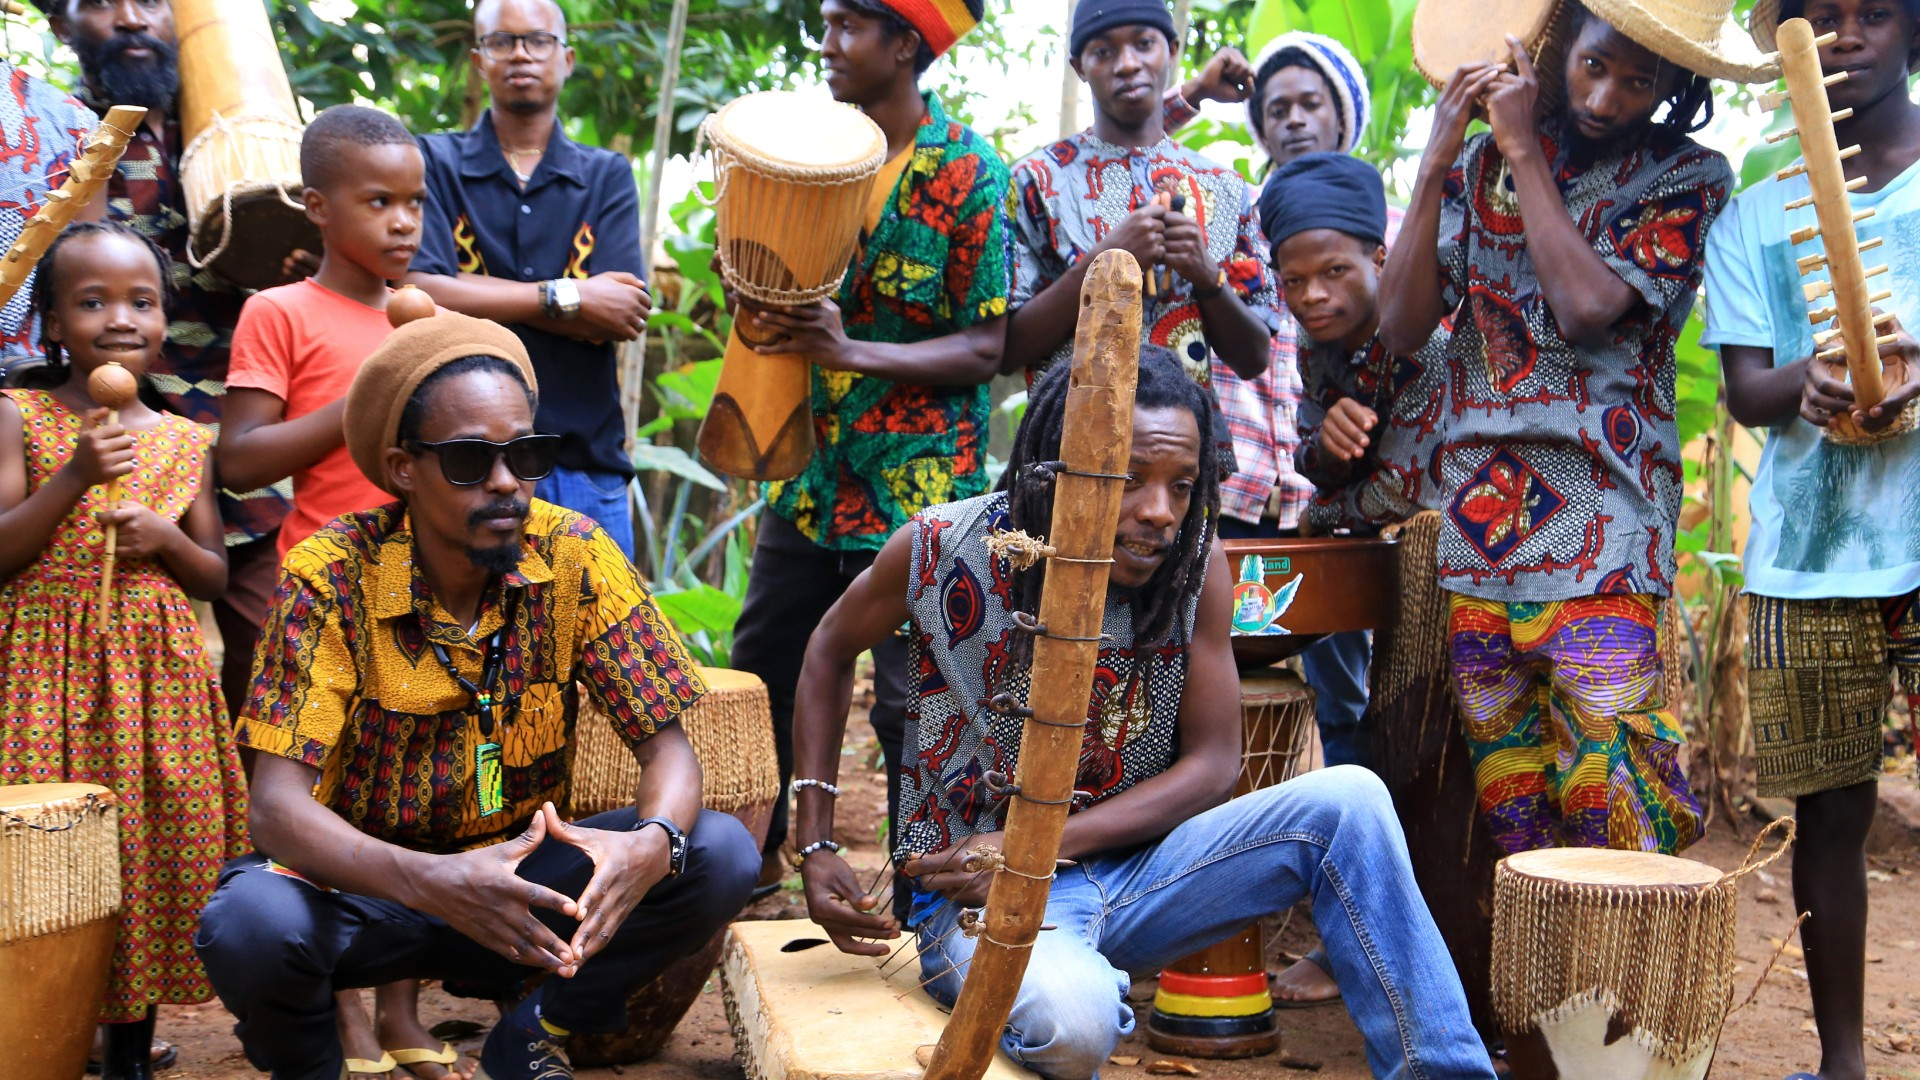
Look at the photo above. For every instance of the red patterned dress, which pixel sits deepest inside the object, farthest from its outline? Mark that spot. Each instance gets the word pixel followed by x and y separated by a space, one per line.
pixel 135 709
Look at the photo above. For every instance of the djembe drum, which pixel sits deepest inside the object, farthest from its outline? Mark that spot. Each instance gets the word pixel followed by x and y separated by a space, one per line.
pixel 1614 965
pixel 792 179
pixel 1449 33
pixel 240 171
pixel 1216 1003
pixel 1289 593
pixel 731 730
pixel 59 912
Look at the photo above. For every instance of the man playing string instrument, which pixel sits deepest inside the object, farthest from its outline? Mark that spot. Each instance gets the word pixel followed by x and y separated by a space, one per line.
pixel 1161 867
pixel 1833 559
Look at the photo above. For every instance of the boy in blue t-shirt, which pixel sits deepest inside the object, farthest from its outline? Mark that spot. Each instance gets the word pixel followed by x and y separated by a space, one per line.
pixel 1833 559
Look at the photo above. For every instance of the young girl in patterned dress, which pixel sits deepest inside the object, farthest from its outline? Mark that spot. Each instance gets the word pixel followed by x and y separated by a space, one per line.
pixel 123 697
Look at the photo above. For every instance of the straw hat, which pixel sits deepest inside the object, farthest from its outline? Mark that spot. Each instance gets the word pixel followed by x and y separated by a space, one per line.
pixel 1699 35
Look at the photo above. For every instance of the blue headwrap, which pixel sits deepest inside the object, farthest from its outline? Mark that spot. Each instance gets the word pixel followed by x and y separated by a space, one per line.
pixel 1324 191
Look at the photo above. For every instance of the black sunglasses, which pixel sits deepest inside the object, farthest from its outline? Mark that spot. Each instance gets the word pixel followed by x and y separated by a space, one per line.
pixel 466 462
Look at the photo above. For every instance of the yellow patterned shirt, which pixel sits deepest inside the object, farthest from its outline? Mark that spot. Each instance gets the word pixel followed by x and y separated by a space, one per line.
pixel 347 677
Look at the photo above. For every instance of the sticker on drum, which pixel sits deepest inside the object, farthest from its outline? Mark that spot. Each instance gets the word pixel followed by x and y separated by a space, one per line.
pixel 1257 609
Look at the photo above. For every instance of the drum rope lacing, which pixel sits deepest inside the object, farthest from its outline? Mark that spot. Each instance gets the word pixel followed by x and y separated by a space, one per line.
pixel 281 127
pixel 62 874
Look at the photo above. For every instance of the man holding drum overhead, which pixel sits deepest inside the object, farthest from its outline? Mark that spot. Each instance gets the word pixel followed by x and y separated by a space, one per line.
pixel 528 228
pixel 414 720
pixel 1569 242
pixel 901 361
pixel 128 56
pixel 1833 559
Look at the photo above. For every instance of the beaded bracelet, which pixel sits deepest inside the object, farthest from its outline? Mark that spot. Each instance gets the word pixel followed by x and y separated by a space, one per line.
pixel 830 789
pixel 818 845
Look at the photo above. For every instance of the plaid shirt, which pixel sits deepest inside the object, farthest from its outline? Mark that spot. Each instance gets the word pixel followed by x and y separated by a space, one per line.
pixel 1262 416
pixel 145 194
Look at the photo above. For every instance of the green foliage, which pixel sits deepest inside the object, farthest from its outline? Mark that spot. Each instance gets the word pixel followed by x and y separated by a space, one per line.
pixel 412 56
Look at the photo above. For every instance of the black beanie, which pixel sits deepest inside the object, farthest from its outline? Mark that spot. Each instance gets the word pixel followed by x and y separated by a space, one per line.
pixel 1324 191
pixel 1092 18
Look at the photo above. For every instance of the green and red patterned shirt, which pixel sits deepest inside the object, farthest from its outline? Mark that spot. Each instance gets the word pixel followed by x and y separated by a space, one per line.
pixel 934 265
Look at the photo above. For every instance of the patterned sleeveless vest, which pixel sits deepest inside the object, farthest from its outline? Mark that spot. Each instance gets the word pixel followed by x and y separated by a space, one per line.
pixel 961 650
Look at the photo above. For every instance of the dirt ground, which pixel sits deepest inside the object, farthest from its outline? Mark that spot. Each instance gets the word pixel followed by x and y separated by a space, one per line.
pixel 1772 1037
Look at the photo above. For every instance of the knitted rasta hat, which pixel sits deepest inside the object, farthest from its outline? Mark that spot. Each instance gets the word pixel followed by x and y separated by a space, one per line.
pixel 1344 76
pixel 940 23
pixel 397 368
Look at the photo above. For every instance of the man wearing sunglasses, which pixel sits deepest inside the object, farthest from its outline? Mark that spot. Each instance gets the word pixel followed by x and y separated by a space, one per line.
pixel 528 228
pixel 413 714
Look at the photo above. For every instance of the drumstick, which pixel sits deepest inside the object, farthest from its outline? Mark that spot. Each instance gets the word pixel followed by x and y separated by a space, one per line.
pixel 112 386
pixel 1852 305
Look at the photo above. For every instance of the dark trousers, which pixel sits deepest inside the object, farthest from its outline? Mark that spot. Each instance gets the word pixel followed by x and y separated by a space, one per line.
pixel 794 582
pixel 277 947
pixel 253 572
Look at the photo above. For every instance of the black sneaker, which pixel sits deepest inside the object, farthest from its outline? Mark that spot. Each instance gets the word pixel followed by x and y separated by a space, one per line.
pixel 519 1048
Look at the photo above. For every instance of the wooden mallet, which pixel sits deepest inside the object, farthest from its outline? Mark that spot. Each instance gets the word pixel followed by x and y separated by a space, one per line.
pixel 113 386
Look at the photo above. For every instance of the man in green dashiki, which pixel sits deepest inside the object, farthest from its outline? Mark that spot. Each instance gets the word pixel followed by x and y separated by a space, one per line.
pixel 902 358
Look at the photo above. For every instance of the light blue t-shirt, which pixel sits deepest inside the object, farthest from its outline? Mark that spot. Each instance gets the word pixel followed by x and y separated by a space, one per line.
pixel 1828 521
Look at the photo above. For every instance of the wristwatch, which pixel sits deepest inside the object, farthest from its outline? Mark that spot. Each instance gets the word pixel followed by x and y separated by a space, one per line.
pixel 676 843
pixel 560 298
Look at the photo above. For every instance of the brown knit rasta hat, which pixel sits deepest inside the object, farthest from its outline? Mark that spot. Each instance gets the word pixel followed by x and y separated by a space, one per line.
pixel 397 368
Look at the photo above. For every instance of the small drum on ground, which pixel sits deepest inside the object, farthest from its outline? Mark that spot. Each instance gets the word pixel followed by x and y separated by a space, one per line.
pixel 792 179
pixel 1613 964
pixel 240 171
pixel 59 913
pixel 1216 1003
pixel 731 730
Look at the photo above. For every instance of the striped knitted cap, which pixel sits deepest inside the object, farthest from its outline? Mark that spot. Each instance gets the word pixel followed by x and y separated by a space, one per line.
pixel 940 23
pixel 1336 65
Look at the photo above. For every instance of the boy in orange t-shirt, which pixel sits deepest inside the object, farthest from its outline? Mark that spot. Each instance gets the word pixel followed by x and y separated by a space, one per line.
pixel 298 346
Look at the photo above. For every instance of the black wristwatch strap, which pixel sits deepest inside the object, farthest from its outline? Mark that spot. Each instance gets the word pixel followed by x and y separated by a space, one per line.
pixel 676 843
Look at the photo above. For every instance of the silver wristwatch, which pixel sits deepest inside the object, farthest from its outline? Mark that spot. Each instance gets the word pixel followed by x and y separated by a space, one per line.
pixel 562 298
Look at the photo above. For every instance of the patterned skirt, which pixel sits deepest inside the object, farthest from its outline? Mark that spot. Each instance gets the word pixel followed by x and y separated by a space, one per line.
pixel 136 710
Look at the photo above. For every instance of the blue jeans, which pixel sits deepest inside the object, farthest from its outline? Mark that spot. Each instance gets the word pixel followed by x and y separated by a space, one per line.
pixel 601 496
pixel 1336 668
pixel 1330 834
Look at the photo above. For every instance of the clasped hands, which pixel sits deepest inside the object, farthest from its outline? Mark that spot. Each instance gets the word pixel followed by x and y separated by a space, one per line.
pixel 479 895
pixel 1825 394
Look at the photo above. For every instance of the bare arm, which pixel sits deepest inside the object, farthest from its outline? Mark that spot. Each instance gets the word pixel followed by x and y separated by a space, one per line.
pixel 1412 302
pixel 874 606
pixel 259 447
pixel 1048 318
pixel 969 357
pixel 1759 394
pixel 195 550
pixel 613 305
pixel 1586 295
pixel 28 522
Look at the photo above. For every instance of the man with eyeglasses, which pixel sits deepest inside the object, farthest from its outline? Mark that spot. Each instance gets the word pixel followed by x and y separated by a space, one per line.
pixel 528 228
pixel 413 715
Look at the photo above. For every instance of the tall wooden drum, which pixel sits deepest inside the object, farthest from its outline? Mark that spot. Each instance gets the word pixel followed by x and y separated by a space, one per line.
pixel 1216 1003
pixel 792 179
pixel 59 912
pixel 1611 964
pixel 240 171
pixel 731 730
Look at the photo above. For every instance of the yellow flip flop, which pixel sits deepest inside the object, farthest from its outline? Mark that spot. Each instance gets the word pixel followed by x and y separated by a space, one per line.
pixel 385 1064
pixel 446 1056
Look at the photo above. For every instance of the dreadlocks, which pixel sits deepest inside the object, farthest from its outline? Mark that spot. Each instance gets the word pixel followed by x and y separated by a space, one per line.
pixel 1157 606
pixel 1690 101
